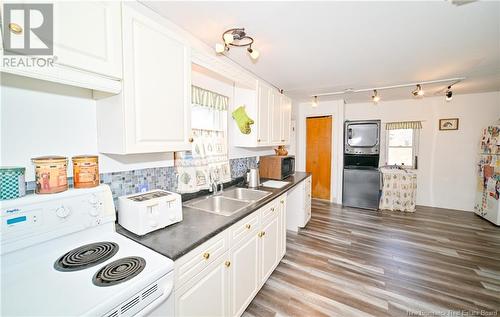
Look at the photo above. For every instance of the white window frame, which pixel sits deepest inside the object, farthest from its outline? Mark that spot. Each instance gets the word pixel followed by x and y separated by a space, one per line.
pixel 414 147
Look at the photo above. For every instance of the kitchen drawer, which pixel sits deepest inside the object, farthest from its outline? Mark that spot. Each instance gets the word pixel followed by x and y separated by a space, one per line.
pixel 244 228
pixel 270 210
pixel 196 260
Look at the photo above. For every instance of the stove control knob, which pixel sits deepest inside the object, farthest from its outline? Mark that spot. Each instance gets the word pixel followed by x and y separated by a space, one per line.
pixel 93 199
pixel 94 211
pixel 62 212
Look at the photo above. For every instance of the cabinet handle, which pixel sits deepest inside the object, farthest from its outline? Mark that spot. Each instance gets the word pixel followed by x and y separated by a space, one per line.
pixel 261 234
pixel 282 140
pixel 258 140
pixel 282 201
pixel 206 255
pixel 190 140
pixel 248 226
pixel 272 209
pixel 15 28
pixel 227 263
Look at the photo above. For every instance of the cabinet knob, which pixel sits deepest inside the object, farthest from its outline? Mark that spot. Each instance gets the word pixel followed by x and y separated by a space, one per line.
pixel 227 263
pixel 272 209
pixel 282 140
pixel 190 140
pixel 248 226
pixel 282 201
pixel 261 234
pixel 15 28
pixel 206 255
pixel 258 140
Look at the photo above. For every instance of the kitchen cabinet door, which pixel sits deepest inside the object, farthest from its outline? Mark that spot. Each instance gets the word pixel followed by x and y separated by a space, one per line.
pixel 276 120
pixel 269 244
pixel 286 119
pixel 264 104
pixel 207 294
pixel 244 268
pixel 87 36
pixel 153 112
pixel 282 226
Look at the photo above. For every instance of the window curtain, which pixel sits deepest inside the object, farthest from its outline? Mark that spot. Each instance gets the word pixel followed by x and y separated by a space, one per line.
pixel 207 161
pixel 403 125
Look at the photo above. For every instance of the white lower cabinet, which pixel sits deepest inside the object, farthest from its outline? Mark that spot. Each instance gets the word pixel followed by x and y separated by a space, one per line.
pixel 269 248
pixel 222 276
pixel 244 274
pixel 207 294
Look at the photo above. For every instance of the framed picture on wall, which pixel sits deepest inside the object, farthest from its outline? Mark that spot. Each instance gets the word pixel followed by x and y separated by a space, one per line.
pixel 448 124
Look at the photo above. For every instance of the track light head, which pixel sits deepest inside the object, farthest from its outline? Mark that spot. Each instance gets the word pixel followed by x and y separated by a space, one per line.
pixel 375 96
pixel 254 54
pixel 449 94
pixel 220 48
pixel 418 92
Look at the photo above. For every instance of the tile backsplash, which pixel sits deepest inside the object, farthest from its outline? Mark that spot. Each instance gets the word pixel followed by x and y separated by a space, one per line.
pixel 130 182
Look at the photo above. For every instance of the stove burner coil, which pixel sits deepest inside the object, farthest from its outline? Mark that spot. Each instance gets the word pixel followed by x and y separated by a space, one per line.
pixel 119 271
pixel 86 256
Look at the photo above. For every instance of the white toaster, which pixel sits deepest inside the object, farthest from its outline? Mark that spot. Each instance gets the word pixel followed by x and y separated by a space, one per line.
pixel 149 211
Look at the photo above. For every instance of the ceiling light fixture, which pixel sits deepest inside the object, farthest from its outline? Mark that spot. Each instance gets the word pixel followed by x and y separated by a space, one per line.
pixel 449 94
pixel 375 96
pixel 237 37
pixel 315 102
pixel 418 92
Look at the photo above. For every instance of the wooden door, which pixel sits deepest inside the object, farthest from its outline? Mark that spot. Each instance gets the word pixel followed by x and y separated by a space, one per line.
pixel 319 154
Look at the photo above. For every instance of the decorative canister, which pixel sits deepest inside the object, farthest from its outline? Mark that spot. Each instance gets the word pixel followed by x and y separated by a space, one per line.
pixel 85 171
pixel 12 183
pixel 51 174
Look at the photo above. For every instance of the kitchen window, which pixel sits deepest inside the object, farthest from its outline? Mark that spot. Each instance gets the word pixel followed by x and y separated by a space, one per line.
pixel 402 144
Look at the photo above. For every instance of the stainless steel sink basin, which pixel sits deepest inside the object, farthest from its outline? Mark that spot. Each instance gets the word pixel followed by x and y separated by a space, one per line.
pixel 219 205
pixel 245 194
pixel 228 202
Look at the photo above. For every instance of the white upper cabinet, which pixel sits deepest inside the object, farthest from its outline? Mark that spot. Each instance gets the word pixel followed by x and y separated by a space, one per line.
pixel 87 36
pixel 265 102
pixel 271 112
pixel 87 48
pixel 152 114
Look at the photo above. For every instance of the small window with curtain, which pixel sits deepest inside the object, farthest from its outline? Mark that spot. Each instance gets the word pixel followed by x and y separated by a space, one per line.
pixel 402 140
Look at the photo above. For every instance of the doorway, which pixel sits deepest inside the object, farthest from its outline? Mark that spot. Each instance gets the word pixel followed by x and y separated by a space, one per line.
pixel 319 154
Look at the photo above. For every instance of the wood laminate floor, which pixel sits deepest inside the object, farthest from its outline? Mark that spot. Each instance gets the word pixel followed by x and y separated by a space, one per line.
pixel 352 262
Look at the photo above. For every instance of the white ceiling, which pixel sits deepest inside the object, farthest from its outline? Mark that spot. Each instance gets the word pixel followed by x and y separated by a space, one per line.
pixel 315 47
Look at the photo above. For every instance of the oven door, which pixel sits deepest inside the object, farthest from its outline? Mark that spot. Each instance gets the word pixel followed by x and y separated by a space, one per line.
pixel 287 167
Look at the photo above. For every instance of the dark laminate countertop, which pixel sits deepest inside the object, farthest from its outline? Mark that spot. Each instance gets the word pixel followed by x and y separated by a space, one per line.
pixel 198 226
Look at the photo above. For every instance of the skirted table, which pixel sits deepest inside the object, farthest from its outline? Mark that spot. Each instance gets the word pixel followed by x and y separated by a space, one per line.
pixel 399 190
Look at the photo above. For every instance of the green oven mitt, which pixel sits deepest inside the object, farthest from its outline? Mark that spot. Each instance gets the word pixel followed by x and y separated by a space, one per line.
pixel 242 120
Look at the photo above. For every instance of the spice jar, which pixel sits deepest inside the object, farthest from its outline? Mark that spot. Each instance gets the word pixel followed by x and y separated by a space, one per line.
pixel 50 174
pixel 85 171
pixel 12 183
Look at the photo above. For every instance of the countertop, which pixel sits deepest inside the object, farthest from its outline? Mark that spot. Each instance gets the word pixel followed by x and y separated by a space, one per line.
pixel 198 226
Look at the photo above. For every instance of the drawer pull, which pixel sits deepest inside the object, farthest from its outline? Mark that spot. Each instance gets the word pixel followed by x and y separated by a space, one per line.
pixel 272 209
pixel 261 234
pixel 248 226
pixel 190 140
pixel 206 255
pixel 282 201
pixel 15 28
pixel 227 263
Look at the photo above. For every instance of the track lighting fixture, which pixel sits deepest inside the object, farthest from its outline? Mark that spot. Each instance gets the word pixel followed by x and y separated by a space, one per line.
pixel 418 92
pixel 315 102
pixel 237 37
pixel 375 96
pixel 449 94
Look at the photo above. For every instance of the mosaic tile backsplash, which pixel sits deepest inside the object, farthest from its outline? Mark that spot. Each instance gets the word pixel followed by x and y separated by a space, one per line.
pixel 130 182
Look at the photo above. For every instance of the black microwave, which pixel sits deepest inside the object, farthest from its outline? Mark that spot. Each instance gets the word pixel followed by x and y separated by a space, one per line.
pixel 276 167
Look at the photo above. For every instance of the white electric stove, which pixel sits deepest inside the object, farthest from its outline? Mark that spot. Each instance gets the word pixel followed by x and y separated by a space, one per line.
pixel 61 256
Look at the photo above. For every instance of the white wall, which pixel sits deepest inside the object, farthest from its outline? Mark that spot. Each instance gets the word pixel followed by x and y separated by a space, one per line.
pixel 334 108
pixel 447 159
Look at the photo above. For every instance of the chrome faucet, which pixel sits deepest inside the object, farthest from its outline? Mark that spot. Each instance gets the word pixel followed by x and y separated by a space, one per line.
pixel 214 187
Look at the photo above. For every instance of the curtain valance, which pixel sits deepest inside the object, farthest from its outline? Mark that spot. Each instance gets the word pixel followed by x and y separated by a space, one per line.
pixel 403 125
pixel 207 98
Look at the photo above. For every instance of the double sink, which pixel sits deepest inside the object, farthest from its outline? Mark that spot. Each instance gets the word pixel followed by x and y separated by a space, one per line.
pixel 229 201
